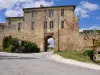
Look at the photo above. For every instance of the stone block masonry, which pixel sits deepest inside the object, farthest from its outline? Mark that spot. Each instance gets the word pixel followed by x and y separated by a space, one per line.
pixel 39 24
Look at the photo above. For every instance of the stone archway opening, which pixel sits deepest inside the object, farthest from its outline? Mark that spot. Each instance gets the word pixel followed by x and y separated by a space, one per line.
pixel 49 43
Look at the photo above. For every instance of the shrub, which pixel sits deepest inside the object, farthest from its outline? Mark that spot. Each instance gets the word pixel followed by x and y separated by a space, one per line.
pixel 89 53
pixel 30 47
pixel 14 42
pixel 6 42
pixel 12 45
pixel 11 48
pixel 9 44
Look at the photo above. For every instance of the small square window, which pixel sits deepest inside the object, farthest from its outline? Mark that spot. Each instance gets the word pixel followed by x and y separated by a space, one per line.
pixel 62 24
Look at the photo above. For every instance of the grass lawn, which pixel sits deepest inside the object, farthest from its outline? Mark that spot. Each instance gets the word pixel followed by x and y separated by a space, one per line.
pixel 75 55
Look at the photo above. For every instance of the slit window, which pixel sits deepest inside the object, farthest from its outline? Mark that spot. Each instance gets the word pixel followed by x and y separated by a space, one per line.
pixel 9 23
pixel 32 26
pixel 45 24
pixel 62 12
pixel 51 24
pixel 51 13
pixel 19 26
pixel 62 24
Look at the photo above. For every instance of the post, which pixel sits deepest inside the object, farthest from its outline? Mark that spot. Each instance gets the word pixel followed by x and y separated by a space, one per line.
pixel 93 44
pixel 58 29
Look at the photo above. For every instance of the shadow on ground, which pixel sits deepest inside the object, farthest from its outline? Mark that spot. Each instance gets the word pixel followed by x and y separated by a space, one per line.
pixel 15 57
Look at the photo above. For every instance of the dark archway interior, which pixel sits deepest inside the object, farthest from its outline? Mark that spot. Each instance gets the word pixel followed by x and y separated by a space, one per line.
pixel 46 43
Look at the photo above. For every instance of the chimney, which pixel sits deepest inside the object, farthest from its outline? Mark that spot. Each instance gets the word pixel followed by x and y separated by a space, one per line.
pixel 41 6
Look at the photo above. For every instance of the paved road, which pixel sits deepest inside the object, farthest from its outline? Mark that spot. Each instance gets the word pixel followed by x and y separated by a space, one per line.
pixel 39 65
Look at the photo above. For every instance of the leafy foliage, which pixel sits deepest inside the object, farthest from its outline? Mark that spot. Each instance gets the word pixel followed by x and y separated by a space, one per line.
pixel 9 43
pixel 12 45
pixel 97 43
pixel 30 47
pixel 89 53
pixel 98 31
pixel 11 48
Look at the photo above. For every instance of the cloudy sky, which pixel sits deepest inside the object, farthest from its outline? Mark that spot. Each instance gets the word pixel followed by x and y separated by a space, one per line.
pixel 87 10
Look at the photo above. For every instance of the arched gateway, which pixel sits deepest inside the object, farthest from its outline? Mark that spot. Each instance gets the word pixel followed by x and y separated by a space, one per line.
pixel 39 24
pixel 47 36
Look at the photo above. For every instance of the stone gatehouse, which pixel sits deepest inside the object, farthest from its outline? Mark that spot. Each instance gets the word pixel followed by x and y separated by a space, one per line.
pixel 39 24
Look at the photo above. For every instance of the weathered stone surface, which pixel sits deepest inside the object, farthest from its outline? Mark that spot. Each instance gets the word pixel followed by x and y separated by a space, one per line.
pixel 86 39
pixel 65 38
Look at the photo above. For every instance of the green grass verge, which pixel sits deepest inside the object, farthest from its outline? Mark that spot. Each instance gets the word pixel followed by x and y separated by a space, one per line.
pixel 75 55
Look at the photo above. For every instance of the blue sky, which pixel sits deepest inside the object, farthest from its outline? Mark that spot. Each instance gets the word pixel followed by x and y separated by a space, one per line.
pixel 87 10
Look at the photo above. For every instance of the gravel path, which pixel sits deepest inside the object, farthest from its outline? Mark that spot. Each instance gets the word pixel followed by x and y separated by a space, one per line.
pixel 38 64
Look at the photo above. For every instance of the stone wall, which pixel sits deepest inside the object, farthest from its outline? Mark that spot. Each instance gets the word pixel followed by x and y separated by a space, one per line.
pixel 2 27
pixel 65 38
pixel 86 39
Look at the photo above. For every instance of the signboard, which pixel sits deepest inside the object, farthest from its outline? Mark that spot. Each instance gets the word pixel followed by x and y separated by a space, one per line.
pixel 20 42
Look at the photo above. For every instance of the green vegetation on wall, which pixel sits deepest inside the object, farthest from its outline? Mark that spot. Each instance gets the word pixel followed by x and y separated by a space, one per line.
pixel 96 43
pixel 98 31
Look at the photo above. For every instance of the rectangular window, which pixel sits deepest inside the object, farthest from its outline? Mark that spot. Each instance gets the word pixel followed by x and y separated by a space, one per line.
pixel 51 13
pixel 51 24
pixel 19 26
pixel 62 12
pixel 45 24
pixel 62 24
pixel 32 27
pixel 9 23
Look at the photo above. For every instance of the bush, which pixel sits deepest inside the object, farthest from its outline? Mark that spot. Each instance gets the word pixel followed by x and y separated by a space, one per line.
pixel 30 47
pixel 12 45
pixel 89 53
pixel 11 48
pixel 9 41
pixel 6 42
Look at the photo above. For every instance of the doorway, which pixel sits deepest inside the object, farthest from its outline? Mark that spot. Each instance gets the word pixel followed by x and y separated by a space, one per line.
pixel 49 43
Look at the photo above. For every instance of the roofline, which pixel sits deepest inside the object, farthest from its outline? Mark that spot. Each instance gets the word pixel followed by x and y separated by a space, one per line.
pixel 13 17
pixel 2 22
pixel 51 7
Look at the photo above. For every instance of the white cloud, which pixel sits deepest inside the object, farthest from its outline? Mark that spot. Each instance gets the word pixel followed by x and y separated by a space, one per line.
pixel 6 3
pixel 95 27
pixel 51 41
pixel 13 13
pixel 81 12
pixel 90 6
pixel 84 8
pixel 98 17
pixel 14 7
pixel 43 2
